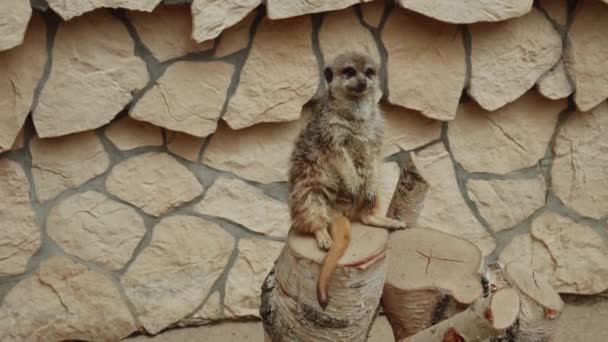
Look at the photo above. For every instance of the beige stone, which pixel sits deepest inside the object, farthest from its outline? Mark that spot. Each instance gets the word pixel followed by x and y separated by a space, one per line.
pixel 271 90
pixel 20 71
pixel 444 207
pixel 236 37
pixel 167 31
pixel 68 9
pixel 211 311
pixel 579 253
pixel 585 321
pixel 279 9
pixel 469 11
pixel 372 12
pixel 260 153
pixel 531 252
pixel 154 182
pixel 65 163
pixel 19 141
pixel 127 134
pixel 184 145
pixel 173 274
pixel 256 211
pixel 585 55
pixel 211 17
pixel 513 137
pixel 188 97
pixel 256 258
pixel 93 56
pixel 507 58
pixel 96 228
pixel 19 232
pixel 554 83
pixel 506 203
pixel 226 331
pixel 14 18
pixel 406 130
pixel 64 301
pixel 426 67
pixel 580 168
pixel 557 10
pixel 345 23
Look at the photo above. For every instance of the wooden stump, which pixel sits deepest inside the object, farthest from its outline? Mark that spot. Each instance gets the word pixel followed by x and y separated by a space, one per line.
pixel 289 307
pixel 425 267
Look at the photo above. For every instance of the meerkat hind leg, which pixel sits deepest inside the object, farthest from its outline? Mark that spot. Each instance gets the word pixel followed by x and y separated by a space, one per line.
pixel 383 222
pixel 323 238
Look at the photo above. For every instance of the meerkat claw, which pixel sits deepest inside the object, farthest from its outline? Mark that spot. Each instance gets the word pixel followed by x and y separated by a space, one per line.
pixel 323 238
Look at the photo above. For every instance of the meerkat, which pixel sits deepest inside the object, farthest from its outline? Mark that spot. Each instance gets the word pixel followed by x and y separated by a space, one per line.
pixel 334 163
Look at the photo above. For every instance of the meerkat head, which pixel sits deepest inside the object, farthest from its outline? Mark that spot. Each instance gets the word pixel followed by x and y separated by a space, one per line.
pixel 352 75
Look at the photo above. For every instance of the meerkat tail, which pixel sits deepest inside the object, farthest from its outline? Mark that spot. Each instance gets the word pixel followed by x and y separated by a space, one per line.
pixel 340 231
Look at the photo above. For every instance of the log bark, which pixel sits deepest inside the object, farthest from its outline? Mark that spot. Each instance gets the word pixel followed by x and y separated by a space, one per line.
pixel 289 308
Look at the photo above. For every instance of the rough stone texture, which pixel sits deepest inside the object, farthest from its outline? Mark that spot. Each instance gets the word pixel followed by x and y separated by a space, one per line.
pixel 211 311
pixel 173 40
pixel 184 145
pixel 512 137
pixel 211 17
pixel 469 11
pixel 68 9
pixel 188 98
pixel 19 232
pixel 583 322
pixel 96 228
pixel 64 301
pixel 236 37
pixel 554 83
pixel 93 56
pixel 66 162
pixel 556 9
pixel 444 208
pixel 269 89
pixel 585 55
pixel 426 65
pixel 256 211
pixel 505 203
pixel 19 141
pixel 20 71
pixel 345 23
pixel 278 9
pixel 173 275
pixel 127 134
pixel 580 167
pixel 142 179
pixel 259 153
pixel 405 129
pixel 507 58
pixel 256 258
pixel 14 18
pixel 372 12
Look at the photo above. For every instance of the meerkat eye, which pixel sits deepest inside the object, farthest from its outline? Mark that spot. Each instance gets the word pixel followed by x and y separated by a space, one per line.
pixel 349 72
pixel 369 72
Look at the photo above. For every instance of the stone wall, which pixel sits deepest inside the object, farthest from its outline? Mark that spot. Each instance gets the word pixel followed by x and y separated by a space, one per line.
pixel 144 146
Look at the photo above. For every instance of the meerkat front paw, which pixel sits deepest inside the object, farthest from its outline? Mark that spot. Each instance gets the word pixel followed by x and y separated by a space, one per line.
pixel 323 238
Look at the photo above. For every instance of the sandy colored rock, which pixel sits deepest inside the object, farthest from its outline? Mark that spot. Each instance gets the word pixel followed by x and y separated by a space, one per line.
pixel 585 321
pixel 270 91
pixel 406 130
pixel 93 56
pixel 188 98
pixel 184 145
pixel 507 58
pixel 506 203
pixel 173 274
pixel 226 194
pixel 513 137
pixel 211 311
pixel 66 162
pixel 211 17
pixel 426 68
pixel 554 83
pixel 585 55
pixel 174 39
pixel 236 37
pixel 256 258
pixel 279 9
pixel 469 11
pixel 531 252
pixel 226 331
pixel 259 153
pixel 19 232
pixel 580 168
pixel 372 12
pixel 96 228
pixel 20 71
pixel 68 9
pixel 14 18
pixel 140 179
pixel 19 141
pixel 557 10
pixel 127 134
pixel 64 301
pixel 444 207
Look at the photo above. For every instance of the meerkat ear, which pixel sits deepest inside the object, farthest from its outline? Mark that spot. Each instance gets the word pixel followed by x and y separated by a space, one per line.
pixel 329 74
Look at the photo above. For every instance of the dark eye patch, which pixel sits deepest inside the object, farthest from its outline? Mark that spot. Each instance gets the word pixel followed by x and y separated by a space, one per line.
pixel 369 72
pixel 349 72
